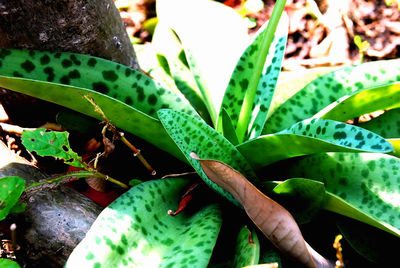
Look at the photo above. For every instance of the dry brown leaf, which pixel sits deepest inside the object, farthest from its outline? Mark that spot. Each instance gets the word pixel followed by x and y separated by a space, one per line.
pixel 272 219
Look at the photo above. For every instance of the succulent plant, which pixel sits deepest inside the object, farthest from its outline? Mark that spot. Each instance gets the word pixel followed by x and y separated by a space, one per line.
pixel 256 127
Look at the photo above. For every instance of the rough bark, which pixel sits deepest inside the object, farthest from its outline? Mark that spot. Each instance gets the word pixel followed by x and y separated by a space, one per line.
pixel 91 27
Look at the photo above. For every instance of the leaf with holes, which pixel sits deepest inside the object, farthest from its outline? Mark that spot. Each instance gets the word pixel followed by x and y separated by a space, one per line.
pixel 11 190
pixel 51 143
pixel 251 86
pixel 362 186
pixel 194 135
pixel 273 220
pixel 309 137
pixel 136 230
pixel 330 87
pixel 247 248
pixel 129 98
pixel 363 102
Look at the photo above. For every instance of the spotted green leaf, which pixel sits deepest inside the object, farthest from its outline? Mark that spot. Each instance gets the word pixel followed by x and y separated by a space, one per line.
pixel 362 186
pixel 330 87
pixel 290 82
pixel 6 263
pixel 386 125
pixel 309 137
pixel 194 135
pixel 136 231
pixel 362 102
pixel 170 49
pixel 106 77
pixel 11 190
pixel 247 248
pixel 211 62
pixel 51 143
pixel 253 80
pixel 121 113
pixel 227 127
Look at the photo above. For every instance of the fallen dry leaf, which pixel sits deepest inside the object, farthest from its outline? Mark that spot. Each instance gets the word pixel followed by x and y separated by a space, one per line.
pixel 272 219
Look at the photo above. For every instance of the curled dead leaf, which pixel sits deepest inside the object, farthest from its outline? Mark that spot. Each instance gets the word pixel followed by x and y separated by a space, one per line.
pixel 272 219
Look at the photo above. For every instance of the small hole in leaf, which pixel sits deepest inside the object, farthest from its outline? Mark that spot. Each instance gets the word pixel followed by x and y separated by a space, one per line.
pixel 51 141
pixel 32 139
pixel 41 133
pixel 70 160
pixel 2 204
pixel 65 148
pixel 48 130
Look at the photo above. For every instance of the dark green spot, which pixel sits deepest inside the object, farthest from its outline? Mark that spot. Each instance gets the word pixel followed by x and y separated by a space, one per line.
pixel 128 100
pixel 244 84
pixel 74 74
pixel 4 53
pixel 28 66
pixel 75 60
pixel 100 87
pixel 66 63
pixel 339 135
pixel 17 74
pixel 45 59
pixel 152 100
pixel 65 80
pixel 92 62
pixel 110 75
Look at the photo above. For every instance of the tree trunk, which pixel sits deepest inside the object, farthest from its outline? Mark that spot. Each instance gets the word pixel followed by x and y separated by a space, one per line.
pixel 91 27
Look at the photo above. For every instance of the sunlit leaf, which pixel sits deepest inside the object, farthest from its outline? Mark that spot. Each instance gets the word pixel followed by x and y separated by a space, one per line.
pixel 210 62
pixel 330 87
pixel 309 137
pixel 251 86
pixel 363 102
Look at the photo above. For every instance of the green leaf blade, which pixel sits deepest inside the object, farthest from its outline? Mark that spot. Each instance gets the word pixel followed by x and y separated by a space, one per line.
pixel 363 186
pixel 11 190
pixel 254 75
pixel 363 102
pixel 247 251
pixel 136 230
pixel 120 114
pixel 106 77
pixel 194 135
pixel 219 22
pixel 309 137
pixel 330 87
